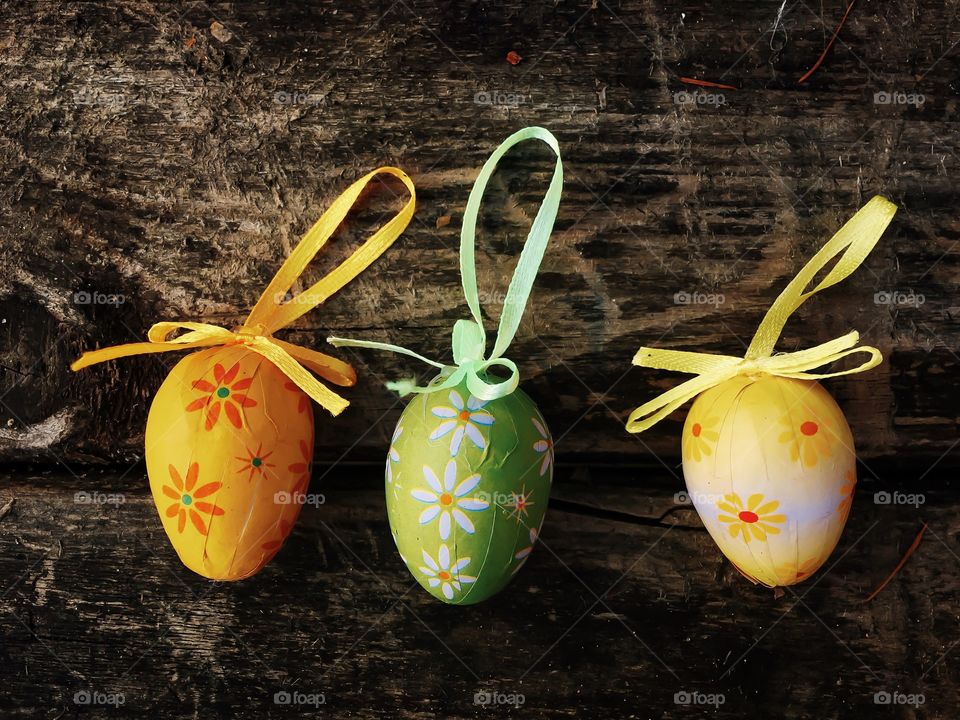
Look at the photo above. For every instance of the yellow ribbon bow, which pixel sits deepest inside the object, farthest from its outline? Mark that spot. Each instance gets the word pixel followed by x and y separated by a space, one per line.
pixel 271 314
pixel 854 240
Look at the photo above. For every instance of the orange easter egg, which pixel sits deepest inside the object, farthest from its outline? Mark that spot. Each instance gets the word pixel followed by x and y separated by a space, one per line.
pixel 229 444
pixel 770 467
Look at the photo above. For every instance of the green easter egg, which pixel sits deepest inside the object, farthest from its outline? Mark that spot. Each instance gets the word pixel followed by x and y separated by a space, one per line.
pixel 467 484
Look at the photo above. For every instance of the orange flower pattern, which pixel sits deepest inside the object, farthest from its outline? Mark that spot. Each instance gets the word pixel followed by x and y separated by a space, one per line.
pixel 755 520
pixel 255 462
pixel 699 440
pixel 846 493
pixel 188 501
pixel 223 394
pixel 809 441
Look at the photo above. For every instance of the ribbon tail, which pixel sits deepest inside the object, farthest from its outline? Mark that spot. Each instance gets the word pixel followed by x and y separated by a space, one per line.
pixel 285 362
pixel 329 368
pixel 92 357
pixel 693 363
pixel 405 387
pixel 652 412
pixel 347 342
pixel 876 357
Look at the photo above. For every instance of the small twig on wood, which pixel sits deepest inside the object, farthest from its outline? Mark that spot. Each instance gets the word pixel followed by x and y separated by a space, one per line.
pixel 913 547
pixel 833 39
pixel 707 83
pixel 6 507
pixel 620 516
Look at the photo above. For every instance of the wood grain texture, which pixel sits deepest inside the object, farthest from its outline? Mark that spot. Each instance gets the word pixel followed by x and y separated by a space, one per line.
pixel 609 619
pixel 148 153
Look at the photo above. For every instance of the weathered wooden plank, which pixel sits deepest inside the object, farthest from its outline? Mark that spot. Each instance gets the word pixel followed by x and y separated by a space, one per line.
pixel 140 155
pixel 609 618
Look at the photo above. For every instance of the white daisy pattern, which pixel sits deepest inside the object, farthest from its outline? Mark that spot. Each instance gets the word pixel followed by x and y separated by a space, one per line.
pixel 392 455
pixel 544 446
pixel 462 420
pixel 440 573
pixel 449 500
pixel 524 553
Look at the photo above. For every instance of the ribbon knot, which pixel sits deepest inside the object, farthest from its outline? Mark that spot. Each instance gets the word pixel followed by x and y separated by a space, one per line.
pixel 469 339
pixel 271 313
pixel 852 243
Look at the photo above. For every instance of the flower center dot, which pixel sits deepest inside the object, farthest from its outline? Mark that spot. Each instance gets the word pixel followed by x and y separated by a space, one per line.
pixel 256 462
pixel 748 516
pixel 186 500
pixel 222 392
pixel 464 415
pixel 444 575
pixel 809 428
pixel 696 429
pixel 446 499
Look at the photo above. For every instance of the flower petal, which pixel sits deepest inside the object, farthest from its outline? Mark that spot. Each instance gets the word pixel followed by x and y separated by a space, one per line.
pixel 541 446
pixel 481 418
pixel 244 384
pixel 540 428
pixel 175 477
pixel 429 514
pixel 429 560
pixel 460 565
pixel 212 415
pixel 233 414
pixel 193 472
pixel 442 411
pixel 173 510
pixel 475 437
pixel 473 504
pixel 442 429
pixel 447 591
pixel 450 475
pixel 443 557
pixel 463 521
pixel 432 479
pixel 474 403
pixel 456 440
pixel 456 400
pixel 467 485
pixel 444 529
pixel 207 489
pixel 231 374
pixel 424 496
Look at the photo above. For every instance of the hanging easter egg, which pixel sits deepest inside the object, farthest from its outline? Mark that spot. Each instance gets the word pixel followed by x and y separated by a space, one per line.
pixel 471 461
pixel 229 439
pixel 768 456
pixel 467 486
pixel 228 476
pixel 770 467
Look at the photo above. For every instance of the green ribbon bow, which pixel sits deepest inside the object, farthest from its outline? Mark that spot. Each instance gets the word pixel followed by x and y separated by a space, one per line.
pixel 469 337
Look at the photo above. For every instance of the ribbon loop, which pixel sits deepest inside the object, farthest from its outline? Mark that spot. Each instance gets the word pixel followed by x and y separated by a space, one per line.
pixel 469 336
pixel 270 313
pixel 850 247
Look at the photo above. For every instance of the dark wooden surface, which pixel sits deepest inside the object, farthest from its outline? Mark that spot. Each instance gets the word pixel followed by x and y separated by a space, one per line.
pixel 609 619
pixel 174 154
pixel 148 153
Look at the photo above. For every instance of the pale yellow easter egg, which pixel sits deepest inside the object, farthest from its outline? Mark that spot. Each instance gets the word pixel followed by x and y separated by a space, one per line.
pixel 770 466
